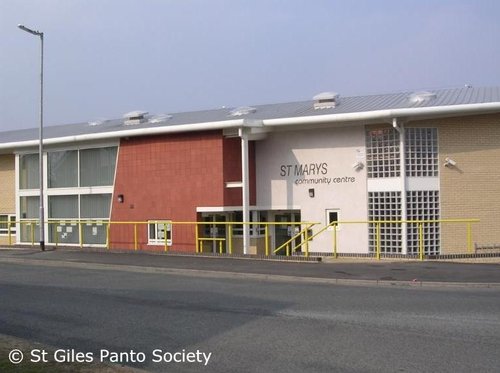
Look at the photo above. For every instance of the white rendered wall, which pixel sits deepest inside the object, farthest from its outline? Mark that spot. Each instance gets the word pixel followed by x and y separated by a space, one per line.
pixel 292 162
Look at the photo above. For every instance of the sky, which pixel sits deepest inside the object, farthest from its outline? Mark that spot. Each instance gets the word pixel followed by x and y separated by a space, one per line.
pixel 104 58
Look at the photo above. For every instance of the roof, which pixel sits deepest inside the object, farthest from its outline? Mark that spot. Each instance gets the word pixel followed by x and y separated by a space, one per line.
pixel 456 100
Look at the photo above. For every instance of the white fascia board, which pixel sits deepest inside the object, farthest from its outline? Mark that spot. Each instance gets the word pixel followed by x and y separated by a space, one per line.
pixel 235 123
pixel 386 115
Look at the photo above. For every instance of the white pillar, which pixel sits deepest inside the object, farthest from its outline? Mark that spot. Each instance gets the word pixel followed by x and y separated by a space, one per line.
pixel 245 186
pixel 402 156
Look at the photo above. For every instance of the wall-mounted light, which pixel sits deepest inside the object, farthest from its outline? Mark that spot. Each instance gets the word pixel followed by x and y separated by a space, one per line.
pixel 358 166
pixel 311 192
pixel 448 162
pixel 120 198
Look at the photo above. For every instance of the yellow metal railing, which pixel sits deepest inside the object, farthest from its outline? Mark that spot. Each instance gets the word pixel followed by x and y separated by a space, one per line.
pixel 420 224
pixel 298 240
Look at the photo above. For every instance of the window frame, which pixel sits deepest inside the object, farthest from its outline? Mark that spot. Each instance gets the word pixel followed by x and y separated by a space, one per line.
pixel 165 223
pixel 12 219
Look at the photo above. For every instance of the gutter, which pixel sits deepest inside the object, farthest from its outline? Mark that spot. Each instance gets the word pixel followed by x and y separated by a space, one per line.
pixel 346 118
pixel 388 115
pixel 220 125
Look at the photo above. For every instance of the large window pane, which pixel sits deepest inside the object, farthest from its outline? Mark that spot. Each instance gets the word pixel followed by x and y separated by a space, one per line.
pixel 95 206
pixel 29 171
pixel 63 207
pixel 63 169
pixel 97 166
pixel 30 209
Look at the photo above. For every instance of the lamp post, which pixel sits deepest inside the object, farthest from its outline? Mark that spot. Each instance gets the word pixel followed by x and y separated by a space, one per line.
pixel 40 144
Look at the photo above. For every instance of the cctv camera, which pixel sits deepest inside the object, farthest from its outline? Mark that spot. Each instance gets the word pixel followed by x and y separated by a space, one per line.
pixel 449 162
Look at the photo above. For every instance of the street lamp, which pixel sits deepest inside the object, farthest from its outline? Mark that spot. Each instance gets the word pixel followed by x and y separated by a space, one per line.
pixel 40 144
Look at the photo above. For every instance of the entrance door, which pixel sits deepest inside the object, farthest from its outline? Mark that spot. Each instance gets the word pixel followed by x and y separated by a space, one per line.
pixel 215 232
pixel 283 232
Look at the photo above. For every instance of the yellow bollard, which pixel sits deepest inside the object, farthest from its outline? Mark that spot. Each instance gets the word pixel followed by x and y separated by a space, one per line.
pixel 288 249
pixel 335 241
pixel 135 236
pixel 165 236
pixel 10 235
pixel 80 234
pixel 32 234
pixel 378 241
pixel 230 237
pixel 306 234
pixel 469 238
pixel 197 240
pixel 108 226
pixel 266 238
pixel 421 241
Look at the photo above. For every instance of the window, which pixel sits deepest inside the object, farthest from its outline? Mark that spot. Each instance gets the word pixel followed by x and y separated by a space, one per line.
pixel 30 210
pixel 63 169
pixel 332 216
pixel 159 231
pixel 423 205
pixel 77 168
pixel 29 171
pixel 385 206
pixel 4 224
pixel 255 230
pixel 97 166
pixel 421 154
pixel 382 153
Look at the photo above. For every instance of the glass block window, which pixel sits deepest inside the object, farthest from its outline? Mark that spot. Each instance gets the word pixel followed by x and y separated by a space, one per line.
pixel 382 153
pixel 423 205
pixel 385 206
pixel 29 177
pixel 421 154
pixel 63 169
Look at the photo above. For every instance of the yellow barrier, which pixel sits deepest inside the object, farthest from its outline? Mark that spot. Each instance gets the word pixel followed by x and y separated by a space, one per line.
pixel 298 240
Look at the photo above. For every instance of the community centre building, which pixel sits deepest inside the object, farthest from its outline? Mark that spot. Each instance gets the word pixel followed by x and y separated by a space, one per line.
pixel 332 165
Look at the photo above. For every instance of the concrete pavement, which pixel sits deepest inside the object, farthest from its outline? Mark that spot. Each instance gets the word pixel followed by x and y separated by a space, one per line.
pixel 384 272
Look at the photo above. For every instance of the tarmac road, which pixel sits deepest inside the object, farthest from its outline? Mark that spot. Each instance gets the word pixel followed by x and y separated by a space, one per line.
pixel 89 302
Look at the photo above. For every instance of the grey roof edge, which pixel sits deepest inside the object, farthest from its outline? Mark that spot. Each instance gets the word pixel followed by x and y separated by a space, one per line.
pixel 362 109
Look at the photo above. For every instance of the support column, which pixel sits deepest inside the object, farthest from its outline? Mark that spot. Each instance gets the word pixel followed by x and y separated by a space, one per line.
pixel 245 184
pixel 402 156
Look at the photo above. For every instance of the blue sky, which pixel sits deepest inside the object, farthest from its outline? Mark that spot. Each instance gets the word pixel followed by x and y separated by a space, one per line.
pixel 104 58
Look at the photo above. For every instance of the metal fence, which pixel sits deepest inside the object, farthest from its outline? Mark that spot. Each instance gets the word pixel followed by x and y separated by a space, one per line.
pixel 226 237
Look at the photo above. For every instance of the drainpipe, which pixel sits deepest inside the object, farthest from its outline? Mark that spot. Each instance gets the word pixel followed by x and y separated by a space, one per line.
pixel 245 184
pixel 402 156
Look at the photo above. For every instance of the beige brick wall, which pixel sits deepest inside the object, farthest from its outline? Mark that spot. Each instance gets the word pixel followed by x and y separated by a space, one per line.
pixel 471 189
pixel 7 188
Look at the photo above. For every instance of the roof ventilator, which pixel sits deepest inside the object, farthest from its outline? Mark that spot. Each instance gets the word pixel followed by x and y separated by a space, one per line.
pixel 97 122
pixel 242 110
pixel 159 118
pixel 421 97
pixel 134 117
pixel 326 100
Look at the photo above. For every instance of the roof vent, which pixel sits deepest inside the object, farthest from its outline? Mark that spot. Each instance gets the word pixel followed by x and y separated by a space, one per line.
pixel 242 110
pixel 134 117
pixel 326 100
pixel 97 122
pixel 421 97
pixel 159 118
